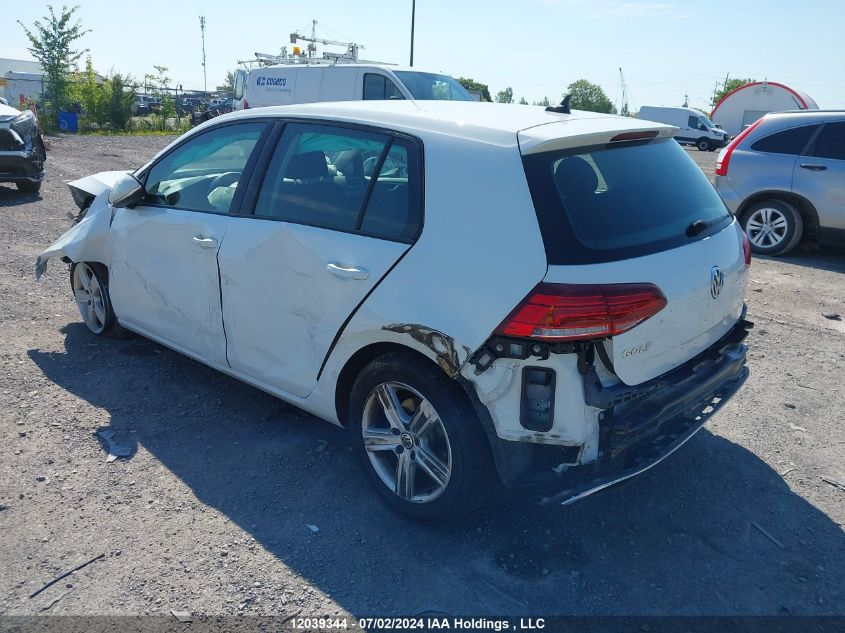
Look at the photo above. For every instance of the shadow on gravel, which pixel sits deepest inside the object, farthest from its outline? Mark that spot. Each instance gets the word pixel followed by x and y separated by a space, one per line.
pixel 680 539
pixel 10 196
pixel 830 258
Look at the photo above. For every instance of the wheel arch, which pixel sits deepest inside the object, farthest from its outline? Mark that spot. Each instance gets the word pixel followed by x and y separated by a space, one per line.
pixel 808 212
pixel 355 363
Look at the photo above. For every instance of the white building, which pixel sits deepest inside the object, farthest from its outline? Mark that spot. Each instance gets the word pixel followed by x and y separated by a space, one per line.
pixel 744 105
pixel 20 80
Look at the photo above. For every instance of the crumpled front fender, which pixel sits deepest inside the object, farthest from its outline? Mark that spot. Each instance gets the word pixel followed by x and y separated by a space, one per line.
pixel 83 242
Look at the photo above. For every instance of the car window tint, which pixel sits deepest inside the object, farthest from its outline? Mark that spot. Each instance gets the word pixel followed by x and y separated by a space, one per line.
pixel 203 173
pixel 830 142
pixel 608 203
pixel 393 209
pixel 373 87
pixel 693 122
pixel 791 141
pixel 319 175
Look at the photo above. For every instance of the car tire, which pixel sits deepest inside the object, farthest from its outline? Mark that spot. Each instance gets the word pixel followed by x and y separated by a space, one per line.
pixel 89 282
pixel 703 145
pixel 773 227
pixel 425 452
pixel 27 186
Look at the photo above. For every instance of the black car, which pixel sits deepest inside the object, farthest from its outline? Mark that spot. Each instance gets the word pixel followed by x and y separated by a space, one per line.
pixel 22 150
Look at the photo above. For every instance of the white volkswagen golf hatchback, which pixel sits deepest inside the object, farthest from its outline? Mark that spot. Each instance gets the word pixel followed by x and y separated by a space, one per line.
pixel 479 292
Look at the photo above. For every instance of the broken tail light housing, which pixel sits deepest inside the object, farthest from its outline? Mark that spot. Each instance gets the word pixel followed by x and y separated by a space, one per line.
pixel 725 155
pixel 571 312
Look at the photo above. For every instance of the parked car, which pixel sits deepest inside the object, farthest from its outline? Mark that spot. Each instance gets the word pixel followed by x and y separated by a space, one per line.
pixel 22 149
pixel 286 84
pixel 784 178
pixel 144 105
pixel 694 127
pixel 470 289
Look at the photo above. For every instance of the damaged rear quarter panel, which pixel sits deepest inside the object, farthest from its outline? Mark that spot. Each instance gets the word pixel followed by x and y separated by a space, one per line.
pixel 479 254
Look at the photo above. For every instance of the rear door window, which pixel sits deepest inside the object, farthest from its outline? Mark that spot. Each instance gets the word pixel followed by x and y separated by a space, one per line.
pixel 343 179
pixel 606 203
pixel 791 141
pixel 830 142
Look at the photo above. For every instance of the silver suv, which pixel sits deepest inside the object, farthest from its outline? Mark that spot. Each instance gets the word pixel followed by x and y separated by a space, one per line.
pixel 784 178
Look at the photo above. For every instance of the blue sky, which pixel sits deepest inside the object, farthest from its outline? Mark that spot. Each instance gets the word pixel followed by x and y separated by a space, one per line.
pixel 666 48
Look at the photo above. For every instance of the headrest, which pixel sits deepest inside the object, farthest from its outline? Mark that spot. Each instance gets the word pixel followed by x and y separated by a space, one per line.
pixel 575 177
pixel 308 165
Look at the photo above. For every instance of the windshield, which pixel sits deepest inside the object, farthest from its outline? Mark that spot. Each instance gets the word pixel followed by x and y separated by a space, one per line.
pixel 431 86
pixel 607 203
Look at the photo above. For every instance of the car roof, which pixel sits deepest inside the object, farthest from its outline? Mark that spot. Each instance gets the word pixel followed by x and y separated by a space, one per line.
pixel 496 123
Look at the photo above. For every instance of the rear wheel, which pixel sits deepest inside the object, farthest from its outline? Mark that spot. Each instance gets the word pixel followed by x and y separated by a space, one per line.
pixel 773 227
pixel 421 443
pixel 89 281
pixel 27 186
pixel 703 145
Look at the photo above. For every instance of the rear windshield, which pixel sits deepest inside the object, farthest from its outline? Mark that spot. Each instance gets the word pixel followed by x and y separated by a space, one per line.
pixel 605 203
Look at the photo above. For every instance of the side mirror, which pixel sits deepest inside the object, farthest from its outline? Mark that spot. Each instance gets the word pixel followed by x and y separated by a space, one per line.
pixel 126 192
pixel 240 83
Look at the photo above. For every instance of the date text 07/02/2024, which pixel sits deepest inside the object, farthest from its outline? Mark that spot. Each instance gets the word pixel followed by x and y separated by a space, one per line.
pixel 421 623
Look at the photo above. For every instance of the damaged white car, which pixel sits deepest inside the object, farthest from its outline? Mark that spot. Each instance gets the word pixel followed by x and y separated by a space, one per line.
pixel 22 150
pixel 475 291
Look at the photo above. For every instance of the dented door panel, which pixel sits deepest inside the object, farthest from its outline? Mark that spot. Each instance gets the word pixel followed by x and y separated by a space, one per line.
pixel 164 280
pixel 283 305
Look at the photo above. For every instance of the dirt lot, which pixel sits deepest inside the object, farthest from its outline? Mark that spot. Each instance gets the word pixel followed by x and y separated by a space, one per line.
pixel 209 513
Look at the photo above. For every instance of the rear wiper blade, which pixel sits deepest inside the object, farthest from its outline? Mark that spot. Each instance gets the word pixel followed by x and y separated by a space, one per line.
pixel 698 226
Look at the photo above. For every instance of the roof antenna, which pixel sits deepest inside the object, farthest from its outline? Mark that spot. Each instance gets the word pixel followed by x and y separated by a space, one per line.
pixel 563 108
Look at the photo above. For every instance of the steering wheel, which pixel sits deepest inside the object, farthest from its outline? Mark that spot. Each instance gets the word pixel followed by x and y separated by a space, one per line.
pixel 224 180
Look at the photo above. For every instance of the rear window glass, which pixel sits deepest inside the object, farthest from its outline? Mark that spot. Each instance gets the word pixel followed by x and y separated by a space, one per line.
pixel 606 203
pixel 792 141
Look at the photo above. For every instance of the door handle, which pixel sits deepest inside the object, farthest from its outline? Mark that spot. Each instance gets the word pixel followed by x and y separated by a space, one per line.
pixel 813 167
pixel 347 272
pixel 204 242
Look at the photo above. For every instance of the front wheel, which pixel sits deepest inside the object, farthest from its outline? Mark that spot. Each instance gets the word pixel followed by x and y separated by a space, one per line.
pixel 703 145
pixel 421 443
pixel 91 293
pixel 773 227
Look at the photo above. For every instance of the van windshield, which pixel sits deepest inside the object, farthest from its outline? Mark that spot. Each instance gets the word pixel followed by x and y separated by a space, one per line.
pixel 431 86
pixel 606 203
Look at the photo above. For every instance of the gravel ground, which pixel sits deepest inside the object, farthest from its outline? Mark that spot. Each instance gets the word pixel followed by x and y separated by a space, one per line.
pixel 210 512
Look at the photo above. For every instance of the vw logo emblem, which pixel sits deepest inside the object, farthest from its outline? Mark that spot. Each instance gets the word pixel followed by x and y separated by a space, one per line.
pixel 717 280
pixel 407 440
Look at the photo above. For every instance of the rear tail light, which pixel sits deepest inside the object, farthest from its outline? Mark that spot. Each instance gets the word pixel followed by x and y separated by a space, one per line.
pixel 566 312
pixel 725 155
pixel 645 135
pixel 746 246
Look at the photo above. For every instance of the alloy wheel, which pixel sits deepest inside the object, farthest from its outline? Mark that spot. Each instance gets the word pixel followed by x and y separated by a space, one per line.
pixel 406 442
pixel 89 297
pixel 766 227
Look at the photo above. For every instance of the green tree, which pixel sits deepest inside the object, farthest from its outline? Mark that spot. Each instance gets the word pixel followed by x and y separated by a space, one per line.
pixel 92 95
pixel 52 43
pixel 730 84
pixel 589 96
pixel 505 96
pixel 544 102
pixel 159 83
pixel 472 84
pixel 522 101
pixel 228 84
pixel 121 98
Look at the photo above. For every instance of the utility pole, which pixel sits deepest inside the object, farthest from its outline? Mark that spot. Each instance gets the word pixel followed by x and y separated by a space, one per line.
pixel 204 74
pixel 413 14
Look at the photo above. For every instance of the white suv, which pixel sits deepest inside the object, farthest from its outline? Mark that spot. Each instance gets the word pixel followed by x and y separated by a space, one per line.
pixel 472 289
